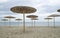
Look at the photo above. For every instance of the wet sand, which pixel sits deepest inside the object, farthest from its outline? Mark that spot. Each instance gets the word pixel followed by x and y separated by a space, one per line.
pixel 31 32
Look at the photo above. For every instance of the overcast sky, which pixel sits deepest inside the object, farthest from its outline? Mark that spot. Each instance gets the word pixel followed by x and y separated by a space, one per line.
pixel 44 8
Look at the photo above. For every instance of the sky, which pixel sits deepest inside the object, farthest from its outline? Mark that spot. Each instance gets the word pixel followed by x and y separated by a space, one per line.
pixel 44 8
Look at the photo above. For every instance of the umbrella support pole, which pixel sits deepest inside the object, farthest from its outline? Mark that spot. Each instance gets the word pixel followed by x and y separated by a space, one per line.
pixel 48 22
pixel 24 23
pixel 9 23
pixel 54 22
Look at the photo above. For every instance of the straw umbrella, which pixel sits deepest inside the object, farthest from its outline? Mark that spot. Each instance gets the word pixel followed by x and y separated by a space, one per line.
pixel 23 10
pixel 4 20
pixel 58 10
pixel 54 15
pixel 9 18
pixel 34 20
pixel 33 17
pixel 18 20
pixel 48 20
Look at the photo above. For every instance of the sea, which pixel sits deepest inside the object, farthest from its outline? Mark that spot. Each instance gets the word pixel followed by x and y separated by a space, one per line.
pixel 29 24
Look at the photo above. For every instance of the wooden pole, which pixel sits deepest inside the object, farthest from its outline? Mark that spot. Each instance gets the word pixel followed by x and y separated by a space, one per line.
pixel 48 22
pixel 23 22
pixel 54 22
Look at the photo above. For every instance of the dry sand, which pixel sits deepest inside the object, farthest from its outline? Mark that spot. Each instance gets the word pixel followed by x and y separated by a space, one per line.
pixel 36 32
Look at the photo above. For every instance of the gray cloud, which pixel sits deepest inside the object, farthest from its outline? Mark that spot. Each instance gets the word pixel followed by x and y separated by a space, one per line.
pixel 41 5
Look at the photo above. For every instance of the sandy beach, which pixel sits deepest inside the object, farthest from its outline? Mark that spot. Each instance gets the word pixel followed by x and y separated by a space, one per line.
pixel 31 32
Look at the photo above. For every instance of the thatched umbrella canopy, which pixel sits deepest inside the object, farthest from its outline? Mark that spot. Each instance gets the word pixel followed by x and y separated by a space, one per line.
pixel 48 20
pixel 58 10
pixel 54 15
pixel 4 20
pixel 33 17
pixel 9 18
pixel 18 20
pixel 23 10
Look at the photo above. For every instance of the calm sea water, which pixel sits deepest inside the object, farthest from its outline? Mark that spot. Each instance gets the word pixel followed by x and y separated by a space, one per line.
pixel 28 24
